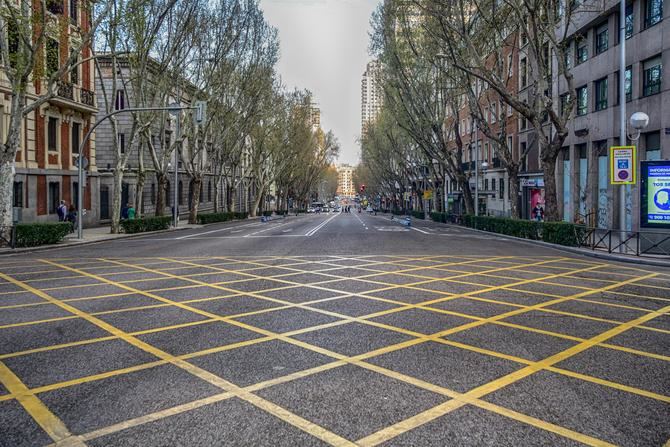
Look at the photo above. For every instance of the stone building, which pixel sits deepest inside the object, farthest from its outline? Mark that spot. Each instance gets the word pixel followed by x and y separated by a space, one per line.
pixel 46 171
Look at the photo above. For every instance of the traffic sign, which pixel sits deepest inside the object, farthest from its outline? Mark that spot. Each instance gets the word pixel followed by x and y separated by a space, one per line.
pixel 622 165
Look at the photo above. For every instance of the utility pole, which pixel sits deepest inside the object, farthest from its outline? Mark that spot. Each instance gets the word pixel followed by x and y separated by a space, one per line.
pixel 622 117
pixel 175 196
pixel 476 168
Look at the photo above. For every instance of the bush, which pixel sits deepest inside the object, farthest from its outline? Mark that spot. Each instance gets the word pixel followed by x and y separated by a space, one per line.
pixel 33 235
pixel 132 226
pixel 439 217
pixel 241 215
pixel 214 217
pixel 418 214
pixel 267 213
pixel 562 233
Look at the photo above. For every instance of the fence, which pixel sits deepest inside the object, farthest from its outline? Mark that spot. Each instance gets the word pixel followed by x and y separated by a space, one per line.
pixel 637 243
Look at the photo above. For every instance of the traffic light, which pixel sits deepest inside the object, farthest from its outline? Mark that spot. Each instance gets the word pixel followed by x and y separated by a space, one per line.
pixel 362 188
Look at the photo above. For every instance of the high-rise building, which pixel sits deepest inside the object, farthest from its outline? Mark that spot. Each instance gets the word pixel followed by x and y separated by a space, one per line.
pixel 371 94
pixel 345 181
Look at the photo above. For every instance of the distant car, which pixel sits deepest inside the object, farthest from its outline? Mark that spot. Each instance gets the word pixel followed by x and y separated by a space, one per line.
pixel 325 209
pixel 311 210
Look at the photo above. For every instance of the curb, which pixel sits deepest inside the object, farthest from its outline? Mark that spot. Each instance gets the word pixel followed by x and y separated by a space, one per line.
pixel 575 250
pixel 24 250
pixel 17 251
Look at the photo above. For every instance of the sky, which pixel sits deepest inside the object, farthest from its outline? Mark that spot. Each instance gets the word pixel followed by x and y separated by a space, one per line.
pixel 324 48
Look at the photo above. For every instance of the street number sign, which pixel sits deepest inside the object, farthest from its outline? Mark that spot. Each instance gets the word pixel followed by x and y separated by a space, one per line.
pixel 622 165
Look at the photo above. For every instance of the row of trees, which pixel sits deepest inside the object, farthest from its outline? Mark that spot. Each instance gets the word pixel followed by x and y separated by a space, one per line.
pixel 446 61
pixel 160 52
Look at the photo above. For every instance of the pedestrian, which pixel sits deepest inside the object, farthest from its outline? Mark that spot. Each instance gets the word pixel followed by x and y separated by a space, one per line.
pixel 124 212
pixel 61 211
pixel 131 212
pixel 178 213
pixel 72 217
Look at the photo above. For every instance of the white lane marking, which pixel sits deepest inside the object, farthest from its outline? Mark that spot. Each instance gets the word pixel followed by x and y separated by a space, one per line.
pixel 314 230
pixel 411 227
pixel 394 229
pixel 288 230
pixel 266 229
pixel 361 221
pixel 255 224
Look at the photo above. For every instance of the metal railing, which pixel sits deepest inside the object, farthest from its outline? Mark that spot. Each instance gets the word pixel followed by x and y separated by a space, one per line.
pixel 637 243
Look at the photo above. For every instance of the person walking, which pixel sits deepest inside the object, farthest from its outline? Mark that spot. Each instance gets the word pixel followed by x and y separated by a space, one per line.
pixel 131 212
pixel 61 211
pixel 72 217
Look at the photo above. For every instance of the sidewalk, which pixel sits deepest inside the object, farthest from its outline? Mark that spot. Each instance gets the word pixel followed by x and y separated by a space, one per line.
pixel 91 236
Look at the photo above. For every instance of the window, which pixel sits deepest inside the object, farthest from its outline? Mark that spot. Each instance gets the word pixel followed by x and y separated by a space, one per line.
pixel 524 157
pixel 54 197
pixel 652 143
pixel 628 83
pixel 52 56
pixel 510 143
pixel 486 115
pixel 55 6
pixel 501 191
pixel 653 12
pixel 76 137
pixel 13 42
pixel 122 142
pixel 494 113
pixel 523 72
pixel 209 191
pixel 581 52
pixel 567 57
pixel 510 69
pixel 523 124
pixel 74 10
pixel 629 21
pixel 602 38
pixel 652 72
pixel 486 152
pixel 120 100
pixel 18 195
pixel 601 94
pixel 565 98
pixel 486 184
pixel 52 134
pixel 74 72
pixel 493 185
pixel 582 101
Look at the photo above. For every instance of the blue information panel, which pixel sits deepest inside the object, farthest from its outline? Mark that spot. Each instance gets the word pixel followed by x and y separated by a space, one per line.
pixel 655 194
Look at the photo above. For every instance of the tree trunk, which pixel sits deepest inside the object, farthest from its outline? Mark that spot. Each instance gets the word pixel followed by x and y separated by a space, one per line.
pixel 116 197
pixel 230 198
pixel 513 176
pixel 464 184
pixel 6 193
pixel 550 196
pixel 217 193
pixel 161 193
pixel 257 202
pixel 194 184
pixel 139 193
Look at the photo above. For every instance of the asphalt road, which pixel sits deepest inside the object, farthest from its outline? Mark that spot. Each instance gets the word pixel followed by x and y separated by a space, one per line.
pixel 335 329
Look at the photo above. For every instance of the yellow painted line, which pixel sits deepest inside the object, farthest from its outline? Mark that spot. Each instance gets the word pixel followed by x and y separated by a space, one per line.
pixel 49 422
pixel 152 417
pixel 274 409
pixel 440 410
pixel 31 323
pixel 53 347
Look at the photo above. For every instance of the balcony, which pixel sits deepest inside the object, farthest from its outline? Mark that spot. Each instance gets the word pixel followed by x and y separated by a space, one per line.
pixel 74 97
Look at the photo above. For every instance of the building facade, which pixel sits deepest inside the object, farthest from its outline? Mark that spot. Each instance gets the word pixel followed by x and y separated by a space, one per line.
pixel 45 164
pixel 345 181
pixel 585 194
pixel 372 94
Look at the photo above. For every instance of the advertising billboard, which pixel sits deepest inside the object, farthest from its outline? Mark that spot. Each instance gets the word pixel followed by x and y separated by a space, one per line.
pixel 655 194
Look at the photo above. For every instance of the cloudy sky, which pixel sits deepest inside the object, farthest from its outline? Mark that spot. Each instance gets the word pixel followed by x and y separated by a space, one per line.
pixel 324 48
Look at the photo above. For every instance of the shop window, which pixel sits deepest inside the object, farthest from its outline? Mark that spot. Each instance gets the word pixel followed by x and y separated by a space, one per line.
pixel 54 197
pixel 652 142
pixel 652 75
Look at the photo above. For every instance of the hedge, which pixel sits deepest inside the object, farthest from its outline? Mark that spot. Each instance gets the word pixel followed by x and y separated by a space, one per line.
pixel 132 226
pixel 418 214
pixel 562 233
pixel 32 235
pixel 439 217
pixel 208 218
